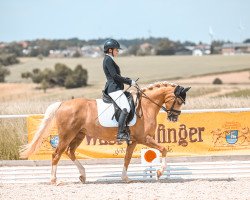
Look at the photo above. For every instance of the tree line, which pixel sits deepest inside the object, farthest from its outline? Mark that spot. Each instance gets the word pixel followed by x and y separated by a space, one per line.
pixel 42 47
pixel 61 76
pixel 5 60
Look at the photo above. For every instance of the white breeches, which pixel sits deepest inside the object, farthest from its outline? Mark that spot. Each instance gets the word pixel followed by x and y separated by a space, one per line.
pixel 121 100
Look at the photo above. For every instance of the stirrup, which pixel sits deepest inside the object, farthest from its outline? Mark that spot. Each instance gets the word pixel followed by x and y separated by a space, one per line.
pixel 122 136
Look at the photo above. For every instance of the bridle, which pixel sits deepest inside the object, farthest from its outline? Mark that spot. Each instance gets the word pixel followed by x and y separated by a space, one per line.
pixel 170 112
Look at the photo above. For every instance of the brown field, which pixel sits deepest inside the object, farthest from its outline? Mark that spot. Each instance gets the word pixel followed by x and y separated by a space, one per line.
pixel 148 69
pixel 20 96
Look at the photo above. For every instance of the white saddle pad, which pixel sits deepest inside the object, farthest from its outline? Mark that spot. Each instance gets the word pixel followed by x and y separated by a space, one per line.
pixel 106 112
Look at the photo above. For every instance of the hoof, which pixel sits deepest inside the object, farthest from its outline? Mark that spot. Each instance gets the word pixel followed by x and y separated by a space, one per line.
pixel 158 174
pixel 60 183
pixel 127 180
pixel 53 181
pixel 82 179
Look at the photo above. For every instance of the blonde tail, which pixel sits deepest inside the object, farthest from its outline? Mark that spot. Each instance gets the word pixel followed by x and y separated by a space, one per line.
pixel 42 132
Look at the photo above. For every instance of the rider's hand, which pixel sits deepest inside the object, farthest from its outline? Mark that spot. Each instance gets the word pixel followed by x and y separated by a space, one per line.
pixel 133 83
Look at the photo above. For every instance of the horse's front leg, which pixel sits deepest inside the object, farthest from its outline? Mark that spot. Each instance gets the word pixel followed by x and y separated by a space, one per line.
pixel 129 152
pixel 150 142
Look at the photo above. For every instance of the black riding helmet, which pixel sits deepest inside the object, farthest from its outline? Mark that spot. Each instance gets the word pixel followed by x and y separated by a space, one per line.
pixel 111 44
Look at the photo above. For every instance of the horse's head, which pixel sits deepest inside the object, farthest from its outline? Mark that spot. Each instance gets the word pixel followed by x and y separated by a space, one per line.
pixel 174 100
pixel 173 96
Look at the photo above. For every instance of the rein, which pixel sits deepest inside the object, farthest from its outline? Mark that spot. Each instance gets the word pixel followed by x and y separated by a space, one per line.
pixel 169 111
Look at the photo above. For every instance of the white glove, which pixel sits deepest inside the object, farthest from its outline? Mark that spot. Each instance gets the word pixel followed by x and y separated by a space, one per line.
pixel 133 83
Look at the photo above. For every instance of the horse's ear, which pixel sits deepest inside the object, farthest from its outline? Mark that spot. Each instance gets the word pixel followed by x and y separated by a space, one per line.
pixel 186 89
pixel 178 90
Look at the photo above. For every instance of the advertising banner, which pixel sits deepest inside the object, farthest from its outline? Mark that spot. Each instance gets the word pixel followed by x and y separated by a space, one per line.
pixel 195 134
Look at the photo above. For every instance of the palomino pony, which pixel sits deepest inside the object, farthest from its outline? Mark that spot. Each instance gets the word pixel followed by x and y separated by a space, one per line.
pixel 76 118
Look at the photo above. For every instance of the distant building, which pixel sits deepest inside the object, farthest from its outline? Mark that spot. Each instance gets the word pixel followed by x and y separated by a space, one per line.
pixel 26 51
pixel 69 52
pixel 24 44
pixel 146 49
pixel 235 48
pixel 197 52
pixel 201 49
pixel 91 51
pixel 2 45
pixel 187 50
pixel 60 53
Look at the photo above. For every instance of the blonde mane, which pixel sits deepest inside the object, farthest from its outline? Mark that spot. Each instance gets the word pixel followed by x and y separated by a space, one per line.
pixel 157 85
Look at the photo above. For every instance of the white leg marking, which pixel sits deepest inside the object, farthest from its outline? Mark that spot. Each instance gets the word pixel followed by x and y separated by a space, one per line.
pixel 124 174
pixel 80 168
pixel 164 163
pixel 53 173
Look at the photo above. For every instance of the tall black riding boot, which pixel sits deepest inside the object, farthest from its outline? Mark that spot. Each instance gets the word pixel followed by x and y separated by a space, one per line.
pixel 122 129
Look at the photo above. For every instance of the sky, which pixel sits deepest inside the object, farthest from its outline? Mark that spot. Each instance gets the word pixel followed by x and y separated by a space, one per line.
pixel 183 20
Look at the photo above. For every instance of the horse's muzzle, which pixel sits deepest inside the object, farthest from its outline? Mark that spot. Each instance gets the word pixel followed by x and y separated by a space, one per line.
pixel 172 117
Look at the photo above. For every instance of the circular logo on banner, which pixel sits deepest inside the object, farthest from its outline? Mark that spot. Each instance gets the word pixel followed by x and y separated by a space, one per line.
pixel 232 136
pixel 54 140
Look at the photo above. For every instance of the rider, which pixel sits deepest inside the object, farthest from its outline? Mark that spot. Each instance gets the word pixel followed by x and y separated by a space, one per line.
pixel 115 85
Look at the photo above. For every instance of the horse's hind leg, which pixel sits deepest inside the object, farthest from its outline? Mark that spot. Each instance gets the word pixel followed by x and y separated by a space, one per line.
pixel 56 157
pixel 64 140
pixel 71 153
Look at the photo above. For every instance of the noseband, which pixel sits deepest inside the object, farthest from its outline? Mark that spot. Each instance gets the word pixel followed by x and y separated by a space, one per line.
pixel 171 111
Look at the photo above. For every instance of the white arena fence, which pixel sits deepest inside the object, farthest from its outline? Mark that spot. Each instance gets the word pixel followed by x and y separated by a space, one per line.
pixel 137 172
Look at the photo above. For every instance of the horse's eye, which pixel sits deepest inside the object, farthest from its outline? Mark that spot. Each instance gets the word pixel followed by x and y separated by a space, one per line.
pixel 179 102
